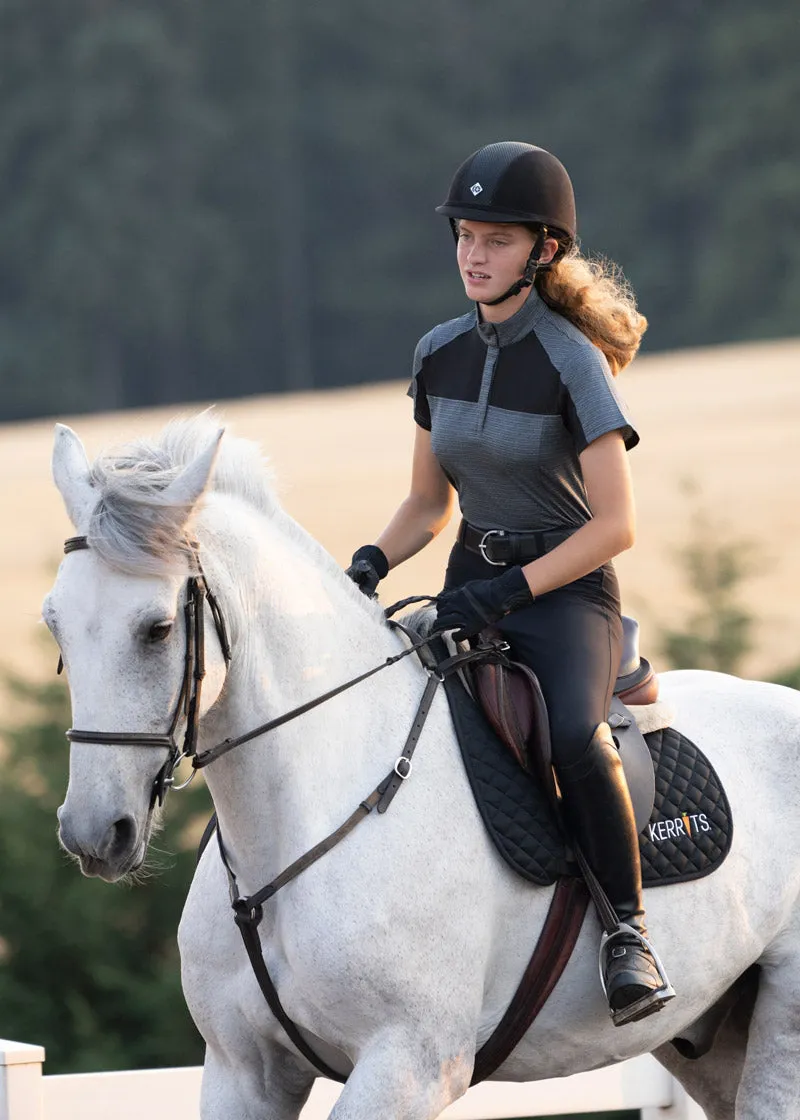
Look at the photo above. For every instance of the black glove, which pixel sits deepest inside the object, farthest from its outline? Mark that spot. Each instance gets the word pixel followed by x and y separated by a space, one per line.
pixel 481 602
pixel 367 568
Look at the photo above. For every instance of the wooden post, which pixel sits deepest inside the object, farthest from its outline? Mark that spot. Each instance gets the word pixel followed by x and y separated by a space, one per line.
pixel 682 1107
pixel 20 1081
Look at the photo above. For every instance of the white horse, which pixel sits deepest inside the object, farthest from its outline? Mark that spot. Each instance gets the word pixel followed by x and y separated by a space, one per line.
pixel 398 952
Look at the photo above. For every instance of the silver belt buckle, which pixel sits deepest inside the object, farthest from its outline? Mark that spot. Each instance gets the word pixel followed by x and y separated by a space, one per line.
pixel 482 546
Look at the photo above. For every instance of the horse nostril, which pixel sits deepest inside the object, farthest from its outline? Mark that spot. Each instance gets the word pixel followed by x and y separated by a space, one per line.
pixel 119 839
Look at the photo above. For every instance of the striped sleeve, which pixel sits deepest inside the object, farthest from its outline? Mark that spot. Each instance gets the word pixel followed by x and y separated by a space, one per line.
pixel 593 405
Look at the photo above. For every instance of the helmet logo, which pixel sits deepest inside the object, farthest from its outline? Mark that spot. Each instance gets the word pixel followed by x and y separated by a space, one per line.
pixel 476 188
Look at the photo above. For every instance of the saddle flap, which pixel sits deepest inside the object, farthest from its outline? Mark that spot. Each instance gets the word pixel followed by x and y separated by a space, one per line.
pixel 636 761
pixel 690 828
pixel 511 697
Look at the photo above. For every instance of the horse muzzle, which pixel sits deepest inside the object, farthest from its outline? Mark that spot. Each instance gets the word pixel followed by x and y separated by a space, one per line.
pixel 105 851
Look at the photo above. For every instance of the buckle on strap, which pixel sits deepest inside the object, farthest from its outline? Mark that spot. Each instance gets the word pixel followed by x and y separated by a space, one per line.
pixel 403 767
pixel 482 546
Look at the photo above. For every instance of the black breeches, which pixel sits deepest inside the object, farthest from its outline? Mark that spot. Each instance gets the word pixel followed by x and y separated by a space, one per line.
pixel 572 639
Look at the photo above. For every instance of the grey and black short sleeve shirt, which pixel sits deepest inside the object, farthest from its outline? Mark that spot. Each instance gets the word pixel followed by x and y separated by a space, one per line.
pixel 510 407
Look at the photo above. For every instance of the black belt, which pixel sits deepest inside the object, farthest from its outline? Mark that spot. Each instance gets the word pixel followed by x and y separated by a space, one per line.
pixel 501 546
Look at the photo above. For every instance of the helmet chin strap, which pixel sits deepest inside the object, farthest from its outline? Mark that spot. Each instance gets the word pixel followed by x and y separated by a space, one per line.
pixel 531 265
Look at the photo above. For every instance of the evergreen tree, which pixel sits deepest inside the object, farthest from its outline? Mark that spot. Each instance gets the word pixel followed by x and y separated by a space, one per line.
pixel 717 633
pixel 202 201
pixel 87 969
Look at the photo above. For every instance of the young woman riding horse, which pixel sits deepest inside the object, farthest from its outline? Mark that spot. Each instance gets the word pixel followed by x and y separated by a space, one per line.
pixel 517 414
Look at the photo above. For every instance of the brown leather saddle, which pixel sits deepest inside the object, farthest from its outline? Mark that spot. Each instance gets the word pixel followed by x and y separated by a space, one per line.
pixel 512 700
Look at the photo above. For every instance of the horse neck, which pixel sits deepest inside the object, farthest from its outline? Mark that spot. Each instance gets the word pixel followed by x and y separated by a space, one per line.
pixel 299 632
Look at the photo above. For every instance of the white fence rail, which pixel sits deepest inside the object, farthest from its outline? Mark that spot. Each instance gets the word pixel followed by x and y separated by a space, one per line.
pixel 174 1094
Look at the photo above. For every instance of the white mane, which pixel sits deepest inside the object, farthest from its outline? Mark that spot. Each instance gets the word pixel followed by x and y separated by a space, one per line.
pixel 133 525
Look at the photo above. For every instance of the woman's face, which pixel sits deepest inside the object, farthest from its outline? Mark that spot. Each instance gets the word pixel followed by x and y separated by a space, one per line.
pixel 491 257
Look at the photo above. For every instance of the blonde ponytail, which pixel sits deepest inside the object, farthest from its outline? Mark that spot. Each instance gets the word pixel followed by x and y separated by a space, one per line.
pixel 596 298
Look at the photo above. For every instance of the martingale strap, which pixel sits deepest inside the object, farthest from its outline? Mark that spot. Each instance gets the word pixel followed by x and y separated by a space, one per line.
pixel 381 796
pixel 249 911
pixel 550 955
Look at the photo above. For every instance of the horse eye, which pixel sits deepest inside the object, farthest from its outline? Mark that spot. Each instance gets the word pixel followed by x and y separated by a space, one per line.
pixel 159 631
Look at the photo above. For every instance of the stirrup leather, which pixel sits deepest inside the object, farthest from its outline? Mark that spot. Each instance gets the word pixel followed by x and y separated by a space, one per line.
pixel 650 1002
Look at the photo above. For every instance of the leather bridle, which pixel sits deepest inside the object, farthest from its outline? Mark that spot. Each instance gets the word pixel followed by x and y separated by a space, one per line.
pixel 188 704
pixel 248 911
pixel 194 670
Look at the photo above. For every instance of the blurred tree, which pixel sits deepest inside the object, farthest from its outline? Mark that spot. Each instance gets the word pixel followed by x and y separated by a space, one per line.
pixel 112 269
pixel 789 677
pixel 88 970
pixel 718 634
pixel 200 201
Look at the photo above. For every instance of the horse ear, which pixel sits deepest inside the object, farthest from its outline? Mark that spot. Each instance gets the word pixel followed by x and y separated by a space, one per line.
pixel 185 490
pixel 72 476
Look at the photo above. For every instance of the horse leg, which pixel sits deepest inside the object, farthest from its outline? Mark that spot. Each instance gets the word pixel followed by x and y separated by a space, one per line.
pixel 770 1082
pixel 268 1086
pixel 405 1077
pixel 246 1075
pixel 712 1080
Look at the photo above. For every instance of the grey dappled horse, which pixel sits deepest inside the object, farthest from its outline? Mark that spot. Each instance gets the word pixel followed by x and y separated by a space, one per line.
pixel 399 951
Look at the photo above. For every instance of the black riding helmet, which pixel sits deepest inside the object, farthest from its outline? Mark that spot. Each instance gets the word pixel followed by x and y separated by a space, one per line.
pixel 514 183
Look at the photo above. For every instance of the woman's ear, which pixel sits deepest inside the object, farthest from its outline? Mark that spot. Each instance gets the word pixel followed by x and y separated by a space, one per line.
pixel 549 250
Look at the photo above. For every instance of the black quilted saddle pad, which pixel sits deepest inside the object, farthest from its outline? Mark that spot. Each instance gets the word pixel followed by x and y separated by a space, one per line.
pixel 688 836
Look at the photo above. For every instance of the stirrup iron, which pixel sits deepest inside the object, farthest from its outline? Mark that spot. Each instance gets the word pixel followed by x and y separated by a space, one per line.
pixel 653 1000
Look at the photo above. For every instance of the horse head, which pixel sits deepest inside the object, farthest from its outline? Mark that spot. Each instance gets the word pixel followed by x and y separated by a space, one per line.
pixel 124 615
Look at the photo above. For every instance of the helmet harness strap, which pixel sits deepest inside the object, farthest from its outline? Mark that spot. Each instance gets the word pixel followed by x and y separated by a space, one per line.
pixel 531 267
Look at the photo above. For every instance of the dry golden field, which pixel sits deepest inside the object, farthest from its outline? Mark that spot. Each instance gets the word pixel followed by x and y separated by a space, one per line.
pixel 726 419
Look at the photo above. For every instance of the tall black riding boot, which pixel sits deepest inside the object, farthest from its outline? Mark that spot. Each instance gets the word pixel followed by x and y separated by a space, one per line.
pixel 598 809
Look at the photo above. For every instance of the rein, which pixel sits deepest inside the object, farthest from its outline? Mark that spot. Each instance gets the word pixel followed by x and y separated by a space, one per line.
pixel 417 645
pixel 188 704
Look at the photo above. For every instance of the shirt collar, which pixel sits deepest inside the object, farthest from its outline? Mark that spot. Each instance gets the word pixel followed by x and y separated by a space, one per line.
pixel 512 330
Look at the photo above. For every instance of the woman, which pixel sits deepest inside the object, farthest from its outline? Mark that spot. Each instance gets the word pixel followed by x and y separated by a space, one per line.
pixel 517 414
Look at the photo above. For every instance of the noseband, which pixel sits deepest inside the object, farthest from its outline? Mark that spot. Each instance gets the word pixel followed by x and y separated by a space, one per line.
pixel 194 670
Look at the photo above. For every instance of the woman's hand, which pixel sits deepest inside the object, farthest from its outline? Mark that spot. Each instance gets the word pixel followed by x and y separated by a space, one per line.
pixel 482 602
pixel 367 568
